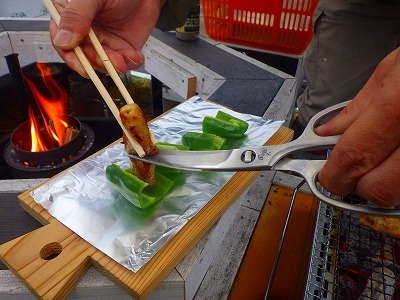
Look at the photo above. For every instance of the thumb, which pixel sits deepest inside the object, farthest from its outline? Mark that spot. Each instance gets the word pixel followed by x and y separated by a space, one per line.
pixel 75 22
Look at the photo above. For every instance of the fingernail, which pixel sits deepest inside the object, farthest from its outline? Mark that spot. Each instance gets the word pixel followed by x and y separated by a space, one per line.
pixel 63 37
pixel 134 63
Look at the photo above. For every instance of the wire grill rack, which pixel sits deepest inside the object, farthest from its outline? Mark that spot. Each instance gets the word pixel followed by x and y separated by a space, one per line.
pixel 350 261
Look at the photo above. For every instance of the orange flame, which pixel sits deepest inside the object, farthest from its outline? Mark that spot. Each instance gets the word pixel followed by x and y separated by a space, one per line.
pixel 51 133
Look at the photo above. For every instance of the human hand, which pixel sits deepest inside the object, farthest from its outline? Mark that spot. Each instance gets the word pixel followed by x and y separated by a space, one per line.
pixel 122 27
pixel 366 159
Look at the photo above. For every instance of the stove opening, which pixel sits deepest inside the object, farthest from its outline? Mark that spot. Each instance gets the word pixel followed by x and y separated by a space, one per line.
pixel 79 117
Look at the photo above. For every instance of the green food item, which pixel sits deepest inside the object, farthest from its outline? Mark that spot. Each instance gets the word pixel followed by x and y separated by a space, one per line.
pixel 202 141
pixel 227 117
pixel 217 132
pixel 166 171
pixel 168 146
pixel 135 190
pixel 225 125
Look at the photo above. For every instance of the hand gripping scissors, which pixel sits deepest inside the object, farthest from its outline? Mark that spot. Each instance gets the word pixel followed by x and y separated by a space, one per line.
pixel 271 158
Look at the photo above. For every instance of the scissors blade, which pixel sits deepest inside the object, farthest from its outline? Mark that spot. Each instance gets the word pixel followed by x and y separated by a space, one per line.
pixel 246 159
pixel 254 158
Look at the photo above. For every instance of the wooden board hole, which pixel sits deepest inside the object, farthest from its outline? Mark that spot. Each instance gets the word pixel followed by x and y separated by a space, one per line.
pixel 50 251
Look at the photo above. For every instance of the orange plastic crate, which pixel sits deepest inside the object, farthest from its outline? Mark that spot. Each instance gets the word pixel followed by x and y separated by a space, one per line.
pixel 282 26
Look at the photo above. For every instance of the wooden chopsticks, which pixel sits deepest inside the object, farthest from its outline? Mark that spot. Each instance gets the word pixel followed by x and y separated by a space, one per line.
pixel 96 80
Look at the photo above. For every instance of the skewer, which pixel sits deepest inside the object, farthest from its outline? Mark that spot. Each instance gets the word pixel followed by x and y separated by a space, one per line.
pixel 112 72
pixel 96 80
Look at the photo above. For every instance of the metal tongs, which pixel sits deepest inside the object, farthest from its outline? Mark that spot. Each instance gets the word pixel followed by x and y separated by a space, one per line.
pixel 271 158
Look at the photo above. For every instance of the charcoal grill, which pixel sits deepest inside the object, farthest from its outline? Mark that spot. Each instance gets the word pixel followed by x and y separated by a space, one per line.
pixel 350 261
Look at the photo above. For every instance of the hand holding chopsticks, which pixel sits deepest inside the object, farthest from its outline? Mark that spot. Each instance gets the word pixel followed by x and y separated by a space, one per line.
pixel 96 80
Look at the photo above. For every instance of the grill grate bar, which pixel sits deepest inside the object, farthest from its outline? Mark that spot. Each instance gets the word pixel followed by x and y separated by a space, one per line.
pixel 350 261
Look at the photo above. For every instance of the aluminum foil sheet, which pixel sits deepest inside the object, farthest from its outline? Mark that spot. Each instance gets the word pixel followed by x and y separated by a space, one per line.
pixel 82 199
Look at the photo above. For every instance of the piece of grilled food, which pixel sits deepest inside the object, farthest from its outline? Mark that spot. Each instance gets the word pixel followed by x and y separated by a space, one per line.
pixel 134 120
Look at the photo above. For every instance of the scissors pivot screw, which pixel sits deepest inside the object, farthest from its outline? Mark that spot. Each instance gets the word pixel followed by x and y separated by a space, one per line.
pixel 248 156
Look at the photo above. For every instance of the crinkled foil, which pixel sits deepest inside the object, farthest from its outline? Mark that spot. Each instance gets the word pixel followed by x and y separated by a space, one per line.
pixel 82 199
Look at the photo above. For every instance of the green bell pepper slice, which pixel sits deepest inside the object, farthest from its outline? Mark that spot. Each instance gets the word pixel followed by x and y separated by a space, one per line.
pixel 135 190
pixel 169 146
pixel 221 115
pixel 202 141
pixel 166 171
pixel 222 128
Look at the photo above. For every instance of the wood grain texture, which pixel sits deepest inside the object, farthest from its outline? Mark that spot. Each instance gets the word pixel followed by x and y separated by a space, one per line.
pixel 55 278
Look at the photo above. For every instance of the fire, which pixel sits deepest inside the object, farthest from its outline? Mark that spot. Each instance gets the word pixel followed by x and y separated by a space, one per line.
pixel 51 133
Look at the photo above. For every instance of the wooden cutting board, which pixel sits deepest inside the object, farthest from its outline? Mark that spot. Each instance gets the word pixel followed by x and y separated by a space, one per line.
pixel 51 260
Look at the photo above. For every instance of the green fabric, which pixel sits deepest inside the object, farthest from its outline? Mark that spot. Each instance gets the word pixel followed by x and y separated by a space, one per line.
pixel 350 38
pixel 174 14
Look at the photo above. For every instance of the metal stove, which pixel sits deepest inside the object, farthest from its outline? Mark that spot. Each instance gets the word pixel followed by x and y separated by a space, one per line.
pixel 26 164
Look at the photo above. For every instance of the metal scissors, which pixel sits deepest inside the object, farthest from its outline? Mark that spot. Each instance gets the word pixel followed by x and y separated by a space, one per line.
pixel 271 158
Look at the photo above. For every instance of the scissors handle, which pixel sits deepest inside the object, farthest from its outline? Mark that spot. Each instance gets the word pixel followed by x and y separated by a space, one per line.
pixel 309 170
pixel 309 140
